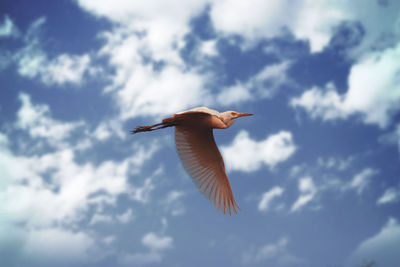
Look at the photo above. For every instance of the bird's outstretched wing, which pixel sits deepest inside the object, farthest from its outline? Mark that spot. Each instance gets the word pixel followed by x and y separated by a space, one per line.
pixel 202 160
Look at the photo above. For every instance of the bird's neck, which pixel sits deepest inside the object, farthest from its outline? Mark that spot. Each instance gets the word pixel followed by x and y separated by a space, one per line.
pixel 220 122
pixel 228 123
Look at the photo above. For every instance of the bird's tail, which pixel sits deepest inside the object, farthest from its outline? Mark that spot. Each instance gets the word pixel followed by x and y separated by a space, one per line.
pixel 165 123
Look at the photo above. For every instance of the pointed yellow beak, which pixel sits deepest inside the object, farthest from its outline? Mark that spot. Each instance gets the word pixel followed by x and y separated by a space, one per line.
pixel 243 114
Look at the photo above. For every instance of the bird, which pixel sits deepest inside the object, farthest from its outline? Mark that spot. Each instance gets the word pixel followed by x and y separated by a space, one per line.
pixel 198 152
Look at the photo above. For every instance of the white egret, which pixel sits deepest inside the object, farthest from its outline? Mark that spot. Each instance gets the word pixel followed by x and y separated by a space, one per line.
pixel 199 153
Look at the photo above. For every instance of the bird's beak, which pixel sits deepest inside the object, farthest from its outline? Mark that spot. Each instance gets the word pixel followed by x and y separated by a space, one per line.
pixel 243 114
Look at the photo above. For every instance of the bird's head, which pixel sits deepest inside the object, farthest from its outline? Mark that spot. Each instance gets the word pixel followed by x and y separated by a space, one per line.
pixel 229 116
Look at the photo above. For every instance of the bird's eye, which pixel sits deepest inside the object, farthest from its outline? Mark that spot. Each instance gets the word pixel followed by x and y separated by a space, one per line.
pixel 233 113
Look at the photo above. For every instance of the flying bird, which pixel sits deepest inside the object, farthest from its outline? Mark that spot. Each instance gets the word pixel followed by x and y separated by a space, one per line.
pixel 199 153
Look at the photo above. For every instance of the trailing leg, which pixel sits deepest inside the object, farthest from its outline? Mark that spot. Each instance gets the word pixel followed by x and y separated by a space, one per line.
pixel 157 126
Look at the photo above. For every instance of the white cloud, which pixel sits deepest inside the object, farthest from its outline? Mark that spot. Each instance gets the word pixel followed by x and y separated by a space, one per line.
pixel 268 197
pixel 144 153
pixel 142 193
pixel 126 217
pixel 3 140
pixel 340 164
pixel 109 239
pixel 156 242
pixel 382 248
pixel 141 90
pixel 66 196
pixel 361 180
pixel 37 120
pixel 270 78
pixel 33 62
pixel 234 94
pixel 53 187
pixel 307 193
pixel 315 20
pixel 391 138
pixel 140 35
pixel 138 259
pixel 390 195
pixel 373 92
pixel 264 84
pixel 256 19
pixel 381 35
pixel 58 245
pixel 373 87
pixel 326 104
pixel 245 154
pixel 65 69
pixel 160 93
pixel 157 245
pixel 273 253
pixel 46 195
pixel 208 48
pixel 103 131
pixel 100 218
pixel 163 24
pixel 46 189
pixel 8 28
pixel 296 170
pixel 174 204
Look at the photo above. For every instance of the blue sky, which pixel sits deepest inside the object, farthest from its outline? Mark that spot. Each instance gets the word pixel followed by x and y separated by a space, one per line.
pixel 315 171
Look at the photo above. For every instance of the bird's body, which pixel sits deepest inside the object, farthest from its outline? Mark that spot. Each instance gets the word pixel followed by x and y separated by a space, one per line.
pixel 199 153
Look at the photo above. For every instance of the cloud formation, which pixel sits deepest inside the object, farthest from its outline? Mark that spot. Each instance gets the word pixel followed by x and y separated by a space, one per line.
pixel 391 195
pixel 262 85
pixel 307 193
pixel 156 244
pixel 248 155
pixel 373 92
pixel 361 180
pixel 381 248
pixel 33 62
pixel 44 193
pixel 276 252
pixel 37 121
pixel 267 198
pixel 8 28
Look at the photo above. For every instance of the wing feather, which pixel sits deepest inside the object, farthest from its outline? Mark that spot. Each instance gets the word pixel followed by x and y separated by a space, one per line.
pixel 202 160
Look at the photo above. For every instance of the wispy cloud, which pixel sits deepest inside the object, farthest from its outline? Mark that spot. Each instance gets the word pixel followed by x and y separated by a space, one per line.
pixel 36 119
pixel 392 137
pixel 8 28
pixel 33 61
pixel 264 84
pixel 141 193
pixel 100 218
pixel 126 217
pixel 174 204
pixel 267 198
pixel 391 195
pixel 156 244
pixel 273 253
pixel 340 164
pixel 307 192
pixel 361 180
